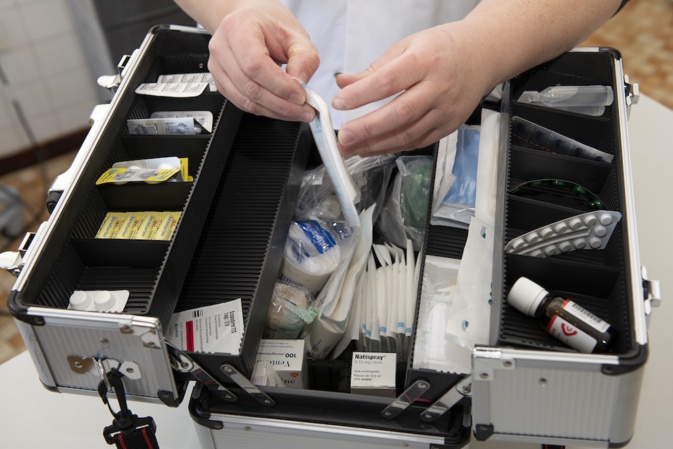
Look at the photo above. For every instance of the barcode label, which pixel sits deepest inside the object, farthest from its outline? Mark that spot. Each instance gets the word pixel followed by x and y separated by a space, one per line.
pixel 586 316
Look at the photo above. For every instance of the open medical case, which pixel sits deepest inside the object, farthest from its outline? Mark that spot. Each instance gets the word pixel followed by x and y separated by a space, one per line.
pixel 228 244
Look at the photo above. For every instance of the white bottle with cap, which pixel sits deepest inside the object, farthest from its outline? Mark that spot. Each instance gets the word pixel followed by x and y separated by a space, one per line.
pixel 562 318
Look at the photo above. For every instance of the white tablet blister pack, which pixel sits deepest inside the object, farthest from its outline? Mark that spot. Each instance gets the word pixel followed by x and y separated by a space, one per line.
pixel 591 230
pixel 99 300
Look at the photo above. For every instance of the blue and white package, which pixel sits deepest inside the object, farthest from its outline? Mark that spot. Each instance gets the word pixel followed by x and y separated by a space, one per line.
pixel 312 253
pixel 457 207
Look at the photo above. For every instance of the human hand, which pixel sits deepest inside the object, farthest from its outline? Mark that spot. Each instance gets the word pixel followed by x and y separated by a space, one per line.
pixel 439 83
pixel 246 51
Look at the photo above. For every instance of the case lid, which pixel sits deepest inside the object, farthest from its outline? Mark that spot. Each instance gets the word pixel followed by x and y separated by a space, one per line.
pixel 526 296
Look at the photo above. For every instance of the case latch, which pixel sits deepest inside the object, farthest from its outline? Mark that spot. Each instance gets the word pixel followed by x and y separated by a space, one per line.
pixel 12 261
pixel 632 92
pixel 651 292
pixel 112 82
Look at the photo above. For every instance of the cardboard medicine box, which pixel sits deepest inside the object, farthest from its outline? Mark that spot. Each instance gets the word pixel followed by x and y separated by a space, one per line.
pixel 287 359
pixel 373 373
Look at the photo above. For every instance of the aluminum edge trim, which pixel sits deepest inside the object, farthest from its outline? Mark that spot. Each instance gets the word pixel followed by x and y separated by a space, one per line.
pixel 291 426
pixel 88 146
pixel 640 325
pixel 541 356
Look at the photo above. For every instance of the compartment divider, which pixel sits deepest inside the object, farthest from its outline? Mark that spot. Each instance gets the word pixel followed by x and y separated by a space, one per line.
pixel 138 196
pixel 530 164
pixel 121 253
pixel 239 251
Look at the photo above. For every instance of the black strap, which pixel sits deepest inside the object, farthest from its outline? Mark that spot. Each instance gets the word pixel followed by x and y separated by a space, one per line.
pixel 127 431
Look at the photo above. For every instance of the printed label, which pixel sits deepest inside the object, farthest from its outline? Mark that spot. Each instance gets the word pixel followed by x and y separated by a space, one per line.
pixel 217 328
pixel 319 237
pixel 570 335
pixel 163 126
pixel 174 90
pixel 585 316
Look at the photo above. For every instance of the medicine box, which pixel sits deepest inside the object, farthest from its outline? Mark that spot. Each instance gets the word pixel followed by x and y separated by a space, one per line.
pixel 374 373
pixel 287 359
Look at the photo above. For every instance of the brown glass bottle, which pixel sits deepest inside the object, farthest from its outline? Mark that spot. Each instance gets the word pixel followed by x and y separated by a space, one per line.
pixel 562 318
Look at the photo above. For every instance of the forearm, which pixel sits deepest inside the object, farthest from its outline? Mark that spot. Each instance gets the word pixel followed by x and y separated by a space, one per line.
pixel 209 13
pixel 508 37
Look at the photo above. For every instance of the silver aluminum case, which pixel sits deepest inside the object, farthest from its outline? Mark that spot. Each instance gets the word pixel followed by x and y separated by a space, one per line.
pixel 63 343
pixel 564 398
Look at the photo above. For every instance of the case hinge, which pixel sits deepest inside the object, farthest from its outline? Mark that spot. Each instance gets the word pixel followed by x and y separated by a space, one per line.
pixel 247 386
pixel 182 363
pixel 459 391
pixel 403 401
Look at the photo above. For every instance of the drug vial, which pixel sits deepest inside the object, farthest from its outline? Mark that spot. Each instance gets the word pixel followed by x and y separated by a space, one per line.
pixel 562 318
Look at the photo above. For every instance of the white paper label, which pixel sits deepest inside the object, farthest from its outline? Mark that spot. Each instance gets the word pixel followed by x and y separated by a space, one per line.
pixel 583 314
pixel 173 90
pixel 570 335
pixel 217 328
pixel 162 126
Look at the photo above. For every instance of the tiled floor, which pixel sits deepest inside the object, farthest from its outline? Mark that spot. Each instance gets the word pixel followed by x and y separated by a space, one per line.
pixel 643 32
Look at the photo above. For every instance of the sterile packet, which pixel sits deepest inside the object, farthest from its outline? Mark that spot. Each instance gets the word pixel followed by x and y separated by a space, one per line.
pixel 457 207
pixel 404 212
pixel 291 309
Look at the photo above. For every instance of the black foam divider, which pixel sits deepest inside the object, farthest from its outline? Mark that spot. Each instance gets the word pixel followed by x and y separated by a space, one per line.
pixel 528 164
pixel 138 196
pixel 240 248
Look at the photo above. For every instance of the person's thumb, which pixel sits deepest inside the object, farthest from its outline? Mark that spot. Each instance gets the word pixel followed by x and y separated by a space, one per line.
pixel 303 61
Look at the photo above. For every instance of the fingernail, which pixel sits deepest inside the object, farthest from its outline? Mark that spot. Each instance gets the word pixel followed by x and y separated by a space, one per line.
pixel 345 137
pixel 338 103
pixel 297 98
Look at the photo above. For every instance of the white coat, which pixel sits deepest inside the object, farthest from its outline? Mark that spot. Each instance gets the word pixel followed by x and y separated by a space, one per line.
pixel 351 34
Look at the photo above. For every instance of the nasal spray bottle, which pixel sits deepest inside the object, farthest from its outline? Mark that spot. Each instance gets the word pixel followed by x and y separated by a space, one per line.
pixel 562 318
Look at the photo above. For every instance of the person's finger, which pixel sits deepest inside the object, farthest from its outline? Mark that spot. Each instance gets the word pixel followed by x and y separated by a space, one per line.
pixel 386 77
pixel 250 96
pixel 418 135
pixel 255 61
pixel 397 115
pixel 303 61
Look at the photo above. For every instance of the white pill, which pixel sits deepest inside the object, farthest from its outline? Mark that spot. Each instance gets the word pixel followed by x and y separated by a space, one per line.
pixel 80 300
pixel 590 220
pixel 575 224
pixel 579 243
pixel 546 232
pixel 537 253
pixel 104 301
pixel 561 228
pixel 550 250
pixel 532 237
pixel 517 243
pixel 565 247
pixel 606 219
pixel 600 231
pixel 595 242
